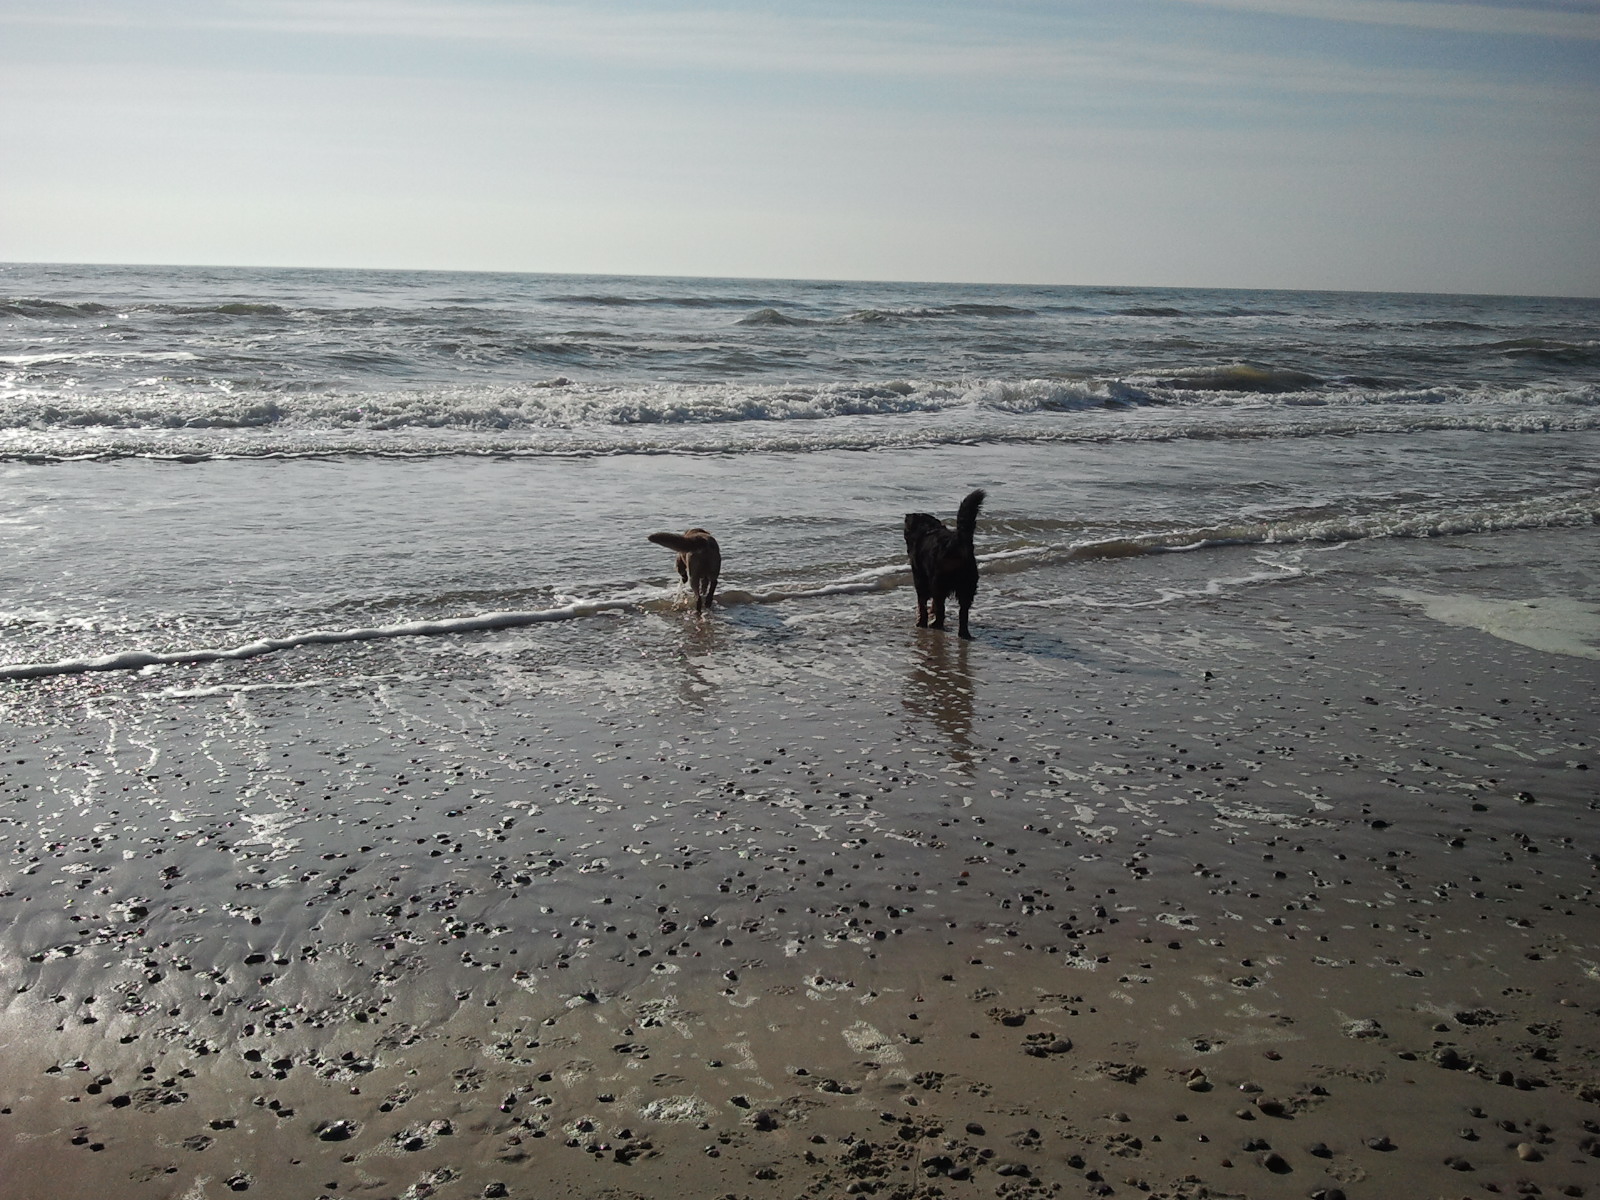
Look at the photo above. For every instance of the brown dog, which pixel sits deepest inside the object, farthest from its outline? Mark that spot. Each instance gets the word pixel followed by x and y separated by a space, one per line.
pixel 942 561
pixel 699 562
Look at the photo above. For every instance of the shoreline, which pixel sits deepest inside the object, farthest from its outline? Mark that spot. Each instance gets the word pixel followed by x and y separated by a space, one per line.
pixel 971 915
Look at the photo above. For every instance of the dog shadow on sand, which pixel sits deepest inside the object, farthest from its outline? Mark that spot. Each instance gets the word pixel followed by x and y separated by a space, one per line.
pixel 1033 644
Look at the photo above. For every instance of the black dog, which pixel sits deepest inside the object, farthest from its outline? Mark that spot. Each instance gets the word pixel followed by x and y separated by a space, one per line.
pixel 942 561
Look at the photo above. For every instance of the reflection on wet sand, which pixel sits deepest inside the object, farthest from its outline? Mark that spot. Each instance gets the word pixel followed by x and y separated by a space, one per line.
pixel 939 690
pixel 701 639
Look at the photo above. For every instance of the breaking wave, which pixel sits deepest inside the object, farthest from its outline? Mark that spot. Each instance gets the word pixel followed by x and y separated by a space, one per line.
pixel 561 416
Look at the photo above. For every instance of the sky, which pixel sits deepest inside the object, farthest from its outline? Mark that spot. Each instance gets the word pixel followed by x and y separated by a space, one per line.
pixel 1393 145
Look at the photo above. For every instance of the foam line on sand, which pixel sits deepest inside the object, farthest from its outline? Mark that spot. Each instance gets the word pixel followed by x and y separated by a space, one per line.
pixel 133 660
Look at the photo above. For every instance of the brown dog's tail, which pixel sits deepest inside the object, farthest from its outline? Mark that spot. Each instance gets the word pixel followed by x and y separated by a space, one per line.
pixel 682 543
pixel 967 515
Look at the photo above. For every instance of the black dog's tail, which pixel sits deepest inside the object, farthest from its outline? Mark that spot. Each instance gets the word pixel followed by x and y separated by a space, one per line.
pixel 967 515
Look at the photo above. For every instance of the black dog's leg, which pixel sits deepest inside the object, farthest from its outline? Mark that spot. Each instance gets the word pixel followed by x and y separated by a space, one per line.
pixel 919 581
pixel 938 612
pixel 965 600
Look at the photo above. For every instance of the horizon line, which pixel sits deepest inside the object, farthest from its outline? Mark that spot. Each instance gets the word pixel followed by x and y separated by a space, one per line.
pixel 1350 291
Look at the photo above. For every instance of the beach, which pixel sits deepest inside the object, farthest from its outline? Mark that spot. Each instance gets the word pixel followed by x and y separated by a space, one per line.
pixel 1287 894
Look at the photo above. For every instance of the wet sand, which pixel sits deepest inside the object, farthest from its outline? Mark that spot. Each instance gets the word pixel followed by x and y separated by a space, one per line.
pixel 1291 894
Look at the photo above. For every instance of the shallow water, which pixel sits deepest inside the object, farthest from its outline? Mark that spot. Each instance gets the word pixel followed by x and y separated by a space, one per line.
pixel 108 558
pixel 199 460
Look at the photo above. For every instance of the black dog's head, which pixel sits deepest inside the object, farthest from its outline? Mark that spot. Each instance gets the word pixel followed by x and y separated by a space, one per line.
pixel 919 525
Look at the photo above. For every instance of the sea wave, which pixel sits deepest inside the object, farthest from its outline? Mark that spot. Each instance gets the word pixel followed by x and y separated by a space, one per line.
pixel 619 300
pixel 771 316
pixel 1553 350
pixel 36 309
pixel 916 312
pixel 561 403
pixel 63 357
pixel 1567 509
pixel 558 416
pixel 1237 377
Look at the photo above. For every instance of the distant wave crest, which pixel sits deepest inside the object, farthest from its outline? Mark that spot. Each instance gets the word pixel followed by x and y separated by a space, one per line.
pixel 558 415
pixel 771 316
pixel 1238 377
pixel 1150 311
pixel 619 300
pixel 1551 350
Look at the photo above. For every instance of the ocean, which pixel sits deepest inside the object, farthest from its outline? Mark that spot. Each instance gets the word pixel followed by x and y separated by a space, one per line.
pixel 379 818
pixel 202 465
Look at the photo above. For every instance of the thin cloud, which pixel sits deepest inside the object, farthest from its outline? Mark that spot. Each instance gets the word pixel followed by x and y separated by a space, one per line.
pixel 907 47
pixel 1576 19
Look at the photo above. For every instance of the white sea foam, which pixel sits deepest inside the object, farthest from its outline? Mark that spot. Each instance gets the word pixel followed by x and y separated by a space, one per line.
pixel 132 660
pixel 138 660
pixel 33 360
pixel 1553 624
pixel 1271 572
pixel 162 419
pixel 196 443
pixel 1563 509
